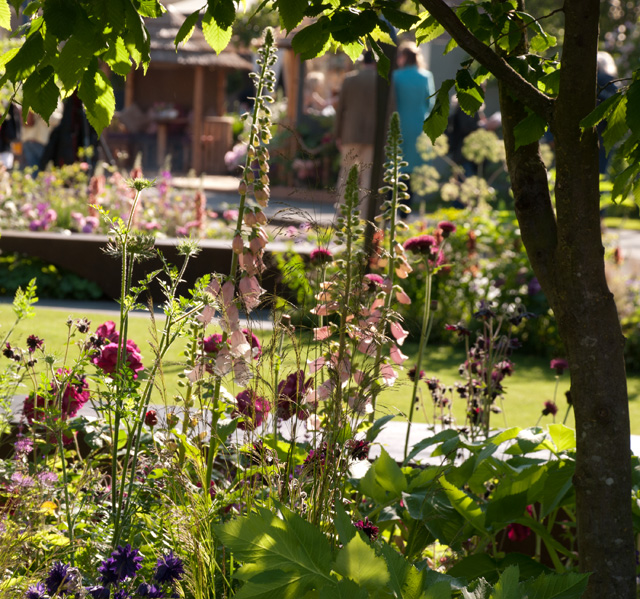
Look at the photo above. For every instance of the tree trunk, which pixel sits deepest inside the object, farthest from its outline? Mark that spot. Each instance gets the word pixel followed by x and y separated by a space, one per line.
pixel 566 253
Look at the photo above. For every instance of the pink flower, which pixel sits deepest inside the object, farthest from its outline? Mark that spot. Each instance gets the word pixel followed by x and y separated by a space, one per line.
pixel 320 256
pixel 559 365
pixel 396 355
pixel 422 244
pixel 250 292
pixel 107 359
pixel 74 396
pixel 446 228
pixel 402 297
pixel 212 344
pixel 108 331
pixel 399 334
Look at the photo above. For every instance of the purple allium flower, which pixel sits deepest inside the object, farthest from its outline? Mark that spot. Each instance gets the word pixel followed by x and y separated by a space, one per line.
pixel 290 394
pixel 35 591
pixel 23 446
pixel 559 365
pixel 412 374
pixel 368 528
pixel 56 581
pixel 150 590
pixel 34 342
pixel 253 407
pixel 550 407
pixel 99 592
pixel 255 343
pixel 123 563
pixel 320 256
pixel 169 569
pixel 447 228
pixel 422 244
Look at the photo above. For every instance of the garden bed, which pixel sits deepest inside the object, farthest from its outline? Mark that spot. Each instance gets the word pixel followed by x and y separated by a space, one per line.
pixel 84 255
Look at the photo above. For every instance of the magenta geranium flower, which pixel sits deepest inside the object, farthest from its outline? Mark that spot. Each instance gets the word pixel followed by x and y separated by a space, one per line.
pixel 212 344
pixel 107 359
pixel 74 396
pixel 108 331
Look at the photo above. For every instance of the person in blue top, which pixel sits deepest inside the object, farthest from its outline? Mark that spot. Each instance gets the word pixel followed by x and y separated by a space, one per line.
pixel 413 88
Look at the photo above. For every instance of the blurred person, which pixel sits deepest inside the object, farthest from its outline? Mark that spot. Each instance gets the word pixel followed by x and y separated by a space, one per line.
pixel 9 133
pixel 355 123
pixel 35 135
pixel 607 87
pixel 412 90
pixel 313 101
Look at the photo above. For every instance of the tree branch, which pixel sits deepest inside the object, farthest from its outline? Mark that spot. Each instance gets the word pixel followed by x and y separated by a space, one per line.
pixel 524 91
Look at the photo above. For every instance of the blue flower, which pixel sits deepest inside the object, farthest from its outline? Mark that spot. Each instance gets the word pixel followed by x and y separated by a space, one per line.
pixel 123 563
pixel 169 568
pixel 35 591
pixel 150 590
pixel 57 579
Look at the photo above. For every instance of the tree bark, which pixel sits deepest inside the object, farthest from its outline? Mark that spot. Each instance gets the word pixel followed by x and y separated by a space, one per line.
pixel 565 250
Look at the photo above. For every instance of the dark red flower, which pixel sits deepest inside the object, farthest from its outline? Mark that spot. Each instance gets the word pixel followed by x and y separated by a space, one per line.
pixel 412 374
pixel 550 407
pixel 253 407
pixel 519 532
pixel 446 228
pixel 74 396
pixel 34 343
pixel 151 418
pixel 320 256
pixel 422 244
pixel 290 394
pixel 212 344
pixel 368 528
pixel 358 448
pixel 559 365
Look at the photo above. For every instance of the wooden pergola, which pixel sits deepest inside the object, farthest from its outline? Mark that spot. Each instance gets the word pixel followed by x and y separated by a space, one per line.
pixel 194 77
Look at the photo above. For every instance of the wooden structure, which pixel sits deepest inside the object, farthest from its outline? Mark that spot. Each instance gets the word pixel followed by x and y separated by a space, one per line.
pixel 193 80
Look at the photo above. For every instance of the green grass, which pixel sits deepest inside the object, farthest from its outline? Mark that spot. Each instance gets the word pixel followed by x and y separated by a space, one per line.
pixel 531 384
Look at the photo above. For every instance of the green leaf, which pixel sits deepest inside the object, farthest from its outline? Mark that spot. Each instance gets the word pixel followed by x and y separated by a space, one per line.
pixel 529 130
pixel 601 111
pixel 274 584
pixel 344 527
pixel 382 60
pixel 224 12
pixel 96 94
pixel 345 589
pixel 633 103
pixel 398 18
pixel 436 123
pixel 74 59
pixel 310 41
pixel 40 93
pixel 428 30
pixel 563 437
pixel 389 475
pixel 358 561
pixel 470 94
pixel 528 440
pixel 150 8
pixel 557 586
pixel 444 435
pixel 187 28
pixel 25 60
pixel 377 427
pixel 353 51
pixel 464 505
pixel 451 45
pixel 291 12
pixel 439 590
pixel 61 17
pixel 405 580
pixel 617 126
pixel 117 57
pixel 136 36
pixel 557 485
pixel 476 565
pixel 217 37
pixel 507 585
pixel 5 15
pixel 504 510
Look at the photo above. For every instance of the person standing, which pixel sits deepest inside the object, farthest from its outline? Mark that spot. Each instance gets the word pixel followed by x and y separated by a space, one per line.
pixel 355 123
pixel 412 89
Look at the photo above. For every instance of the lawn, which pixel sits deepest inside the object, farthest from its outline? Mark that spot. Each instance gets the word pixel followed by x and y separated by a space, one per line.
pixel 531 384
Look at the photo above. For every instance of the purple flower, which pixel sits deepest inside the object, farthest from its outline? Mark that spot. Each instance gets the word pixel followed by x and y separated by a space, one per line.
pixel 212 344
pixel 290 394
pixel 550 407
pixel 253 407
pixel 169 569
pixel 23 446
pixel 56 581
pixel 412 374
pixel 320 256
pixel 99 592
pixel 123 563
pixel 121 594
pixel 559 365
pixel 35 591
pixel 422 244
pixel 149 590
pixel 534 287
pixel 108 331
pixel 368 528
pixel 48 479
